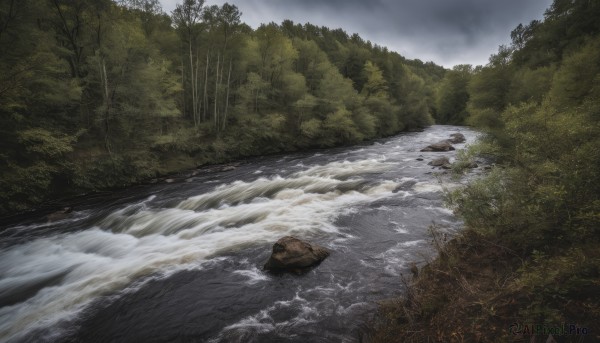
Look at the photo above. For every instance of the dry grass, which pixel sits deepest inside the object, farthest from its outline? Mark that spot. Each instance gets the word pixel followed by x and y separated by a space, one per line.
pixel 473 292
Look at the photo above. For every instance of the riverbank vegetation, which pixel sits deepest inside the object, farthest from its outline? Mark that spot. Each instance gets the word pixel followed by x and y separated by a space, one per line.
pixel 529 252
pixel 101 94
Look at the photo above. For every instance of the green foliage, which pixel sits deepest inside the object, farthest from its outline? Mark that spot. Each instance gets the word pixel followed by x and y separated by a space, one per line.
pixel 22 187
pixel 252 93
pixel 530 247
pixel 365 122
pixel 487 95
pixel 376 85
pixel 334 89
pixel 566 25
pixel 542 121
pixel 578 77
pixel 107 93
pixel 293 87
pixel 311 128
pixel 465 159
pixel 530 85
pixel 453 96
pixel 341 127
pixel 413 111
pixel 41 142
pixel 386 115
pixel 100 172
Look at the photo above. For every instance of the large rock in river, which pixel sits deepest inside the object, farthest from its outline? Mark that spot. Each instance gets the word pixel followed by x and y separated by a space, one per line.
pixel 439 162
pixel 457 138
pixel 292 254
pixel 440 146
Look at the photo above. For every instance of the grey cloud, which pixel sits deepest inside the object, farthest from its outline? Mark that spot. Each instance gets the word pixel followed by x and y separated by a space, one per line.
pixel 337 5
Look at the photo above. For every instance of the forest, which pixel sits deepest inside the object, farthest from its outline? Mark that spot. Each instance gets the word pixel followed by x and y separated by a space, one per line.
pixel 100 94
pixel 529 250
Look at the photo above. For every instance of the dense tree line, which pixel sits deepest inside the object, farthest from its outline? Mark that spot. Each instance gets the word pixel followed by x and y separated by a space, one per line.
pixel 529 250
pixel 538 100
pixel 97 94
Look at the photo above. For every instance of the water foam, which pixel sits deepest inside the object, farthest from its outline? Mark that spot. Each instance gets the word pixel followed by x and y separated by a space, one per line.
pixel 253 274
pixel 428 187
pixel 53 278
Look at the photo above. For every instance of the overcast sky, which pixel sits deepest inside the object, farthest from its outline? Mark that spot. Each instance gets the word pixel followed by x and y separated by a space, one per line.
pixel 447 32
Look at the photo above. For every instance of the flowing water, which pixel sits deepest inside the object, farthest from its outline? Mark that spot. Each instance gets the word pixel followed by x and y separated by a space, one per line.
pixel 182 261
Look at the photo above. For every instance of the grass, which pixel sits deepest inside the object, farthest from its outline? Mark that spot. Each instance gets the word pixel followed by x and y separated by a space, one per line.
pixel 476 289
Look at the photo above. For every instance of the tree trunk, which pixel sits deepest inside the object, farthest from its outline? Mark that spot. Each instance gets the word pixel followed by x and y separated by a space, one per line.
pixel 221 73
pixel 71 35
pixel 227 96
pixel 192 80
pixel 206 87
pixel 256 101
pixel 107 104
pixel 197 94
pixel 215 114
pixel 183 85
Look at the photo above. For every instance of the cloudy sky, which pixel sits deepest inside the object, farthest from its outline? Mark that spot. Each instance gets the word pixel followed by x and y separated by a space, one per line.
pixel 447 32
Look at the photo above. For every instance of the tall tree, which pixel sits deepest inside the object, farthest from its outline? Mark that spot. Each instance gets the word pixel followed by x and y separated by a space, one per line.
pixel 187 17
pixel 453 95
pixel 375 85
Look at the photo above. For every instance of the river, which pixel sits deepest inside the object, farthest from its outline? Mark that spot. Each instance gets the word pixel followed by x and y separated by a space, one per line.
pixel 182 261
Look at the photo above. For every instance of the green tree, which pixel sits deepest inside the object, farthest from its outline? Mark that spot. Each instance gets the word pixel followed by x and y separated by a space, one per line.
pixel 453 95
pixel 530 84
pixel 187 18
pixel 37 96
pixel 107 93
pixel 375 85
pixel 489 89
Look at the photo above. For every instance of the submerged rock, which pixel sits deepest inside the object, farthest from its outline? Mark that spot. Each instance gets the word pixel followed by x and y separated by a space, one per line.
pixel 440 146
pixel 59 215
pixel 291 254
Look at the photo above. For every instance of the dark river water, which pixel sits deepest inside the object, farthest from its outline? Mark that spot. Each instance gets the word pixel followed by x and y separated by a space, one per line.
pixel 182 261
